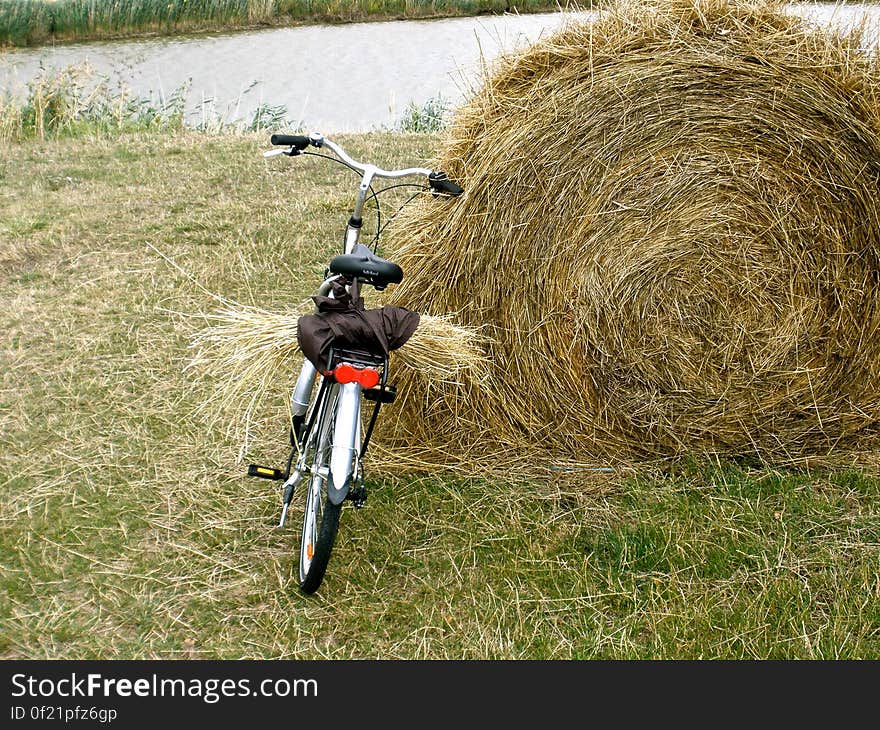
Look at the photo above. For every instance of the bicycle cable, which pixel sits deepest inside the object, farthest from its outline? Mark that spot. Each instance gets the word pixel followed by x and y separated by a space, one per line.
pixel 422 189
pixel 373 194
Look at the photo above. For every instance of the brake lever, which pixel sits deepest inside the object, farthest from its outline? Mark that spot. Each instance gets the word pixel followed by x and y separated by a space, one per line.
pixel 290 153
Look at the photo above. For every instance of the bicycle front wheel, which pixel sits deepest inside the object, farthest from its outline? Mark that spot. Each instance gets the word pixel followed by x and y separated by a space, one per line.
pixel 321 516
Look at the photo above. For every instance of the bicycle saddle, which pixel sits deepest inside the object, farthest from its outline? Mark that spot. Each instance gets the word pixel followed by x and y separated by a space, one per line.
pixel 368 267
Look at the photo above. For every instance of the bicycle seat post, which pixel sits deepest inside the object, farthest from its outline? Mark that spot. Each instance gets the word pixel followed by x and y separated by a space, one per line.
pixel 354 289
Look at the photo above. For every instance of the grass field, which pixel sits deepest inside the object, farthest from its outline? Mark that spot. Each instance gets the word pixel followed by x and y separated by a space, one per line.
pixel 36 22
pixel 129 530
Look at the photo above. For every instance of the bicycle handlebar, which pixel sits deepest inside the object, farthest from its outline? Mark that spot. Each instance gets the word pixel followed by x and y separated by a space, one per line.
pixel 440 182
pixel 437 179
pixel 292 140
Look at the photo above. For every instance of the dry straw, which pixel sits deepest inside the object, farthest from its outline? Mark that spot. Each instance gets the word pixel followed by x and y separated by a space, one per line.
pixel 669 244
pixel 246 352
pixel 671 232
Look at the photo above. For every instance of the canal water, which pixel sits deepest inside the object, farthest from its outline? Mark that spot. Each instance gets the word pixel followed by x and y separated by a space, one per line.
pixel 338 78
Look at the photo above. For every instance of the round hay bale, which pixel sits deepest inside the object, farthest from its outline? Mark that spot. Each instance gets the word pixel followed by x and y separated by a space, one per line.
pixel 671 237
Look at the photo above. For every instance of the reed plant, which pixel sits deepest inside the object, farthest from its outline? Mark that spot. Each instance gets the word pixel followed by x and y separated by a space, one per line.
pixel 23 22
pixel 76 99
pixel 430 116
pixel 33 22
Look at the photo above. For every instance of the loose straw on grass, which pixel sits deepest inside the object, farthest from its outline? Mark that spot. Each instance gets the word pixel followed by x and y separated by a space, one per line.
pixel 243 352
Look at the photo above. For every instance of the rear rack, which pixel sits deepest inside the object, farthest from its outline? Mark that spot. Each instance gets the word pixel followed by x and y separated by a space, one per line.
pixel 363 358
pixel 382 393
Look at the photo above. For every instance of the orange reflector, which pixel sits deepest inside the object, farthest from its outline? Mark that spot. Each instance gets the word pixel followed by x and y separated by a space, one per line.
pixel 346 373
pixel 310 551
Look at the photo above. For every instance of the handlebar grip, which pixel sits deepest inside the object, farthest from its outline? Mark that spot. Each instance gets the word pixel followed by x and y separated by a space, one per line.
pixel 294 140
pixel 442 184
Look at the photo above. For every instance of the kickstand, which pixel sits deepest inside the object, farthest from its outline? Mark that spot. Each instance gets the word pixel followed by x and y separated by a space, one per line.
pixel 285 503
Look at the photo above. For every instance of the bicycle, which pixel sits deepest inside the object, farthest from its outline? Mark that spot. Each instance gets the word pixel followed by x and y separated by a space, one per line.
pixel 326 425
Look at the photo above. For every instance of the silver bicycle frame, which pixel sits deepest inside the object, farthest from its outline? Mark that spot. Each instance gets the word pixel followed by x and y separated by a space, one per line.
pixel 302 391
pixel 347 427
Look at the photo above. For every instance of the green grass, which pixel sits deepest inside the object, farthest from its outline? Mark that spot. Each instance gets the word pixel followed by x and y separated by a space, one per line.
pixel 129 530
pixel 431 116
pixel 75 100
pixel 36 22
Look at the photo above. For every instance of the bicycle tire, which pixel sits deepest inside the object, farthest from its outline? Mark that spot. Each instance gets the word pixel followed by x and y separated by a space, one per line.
pixel 321 516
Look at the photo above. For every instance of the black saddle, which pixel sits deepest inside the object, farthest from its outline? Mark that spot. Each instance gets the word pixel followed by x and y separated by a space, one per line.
pixel 366 266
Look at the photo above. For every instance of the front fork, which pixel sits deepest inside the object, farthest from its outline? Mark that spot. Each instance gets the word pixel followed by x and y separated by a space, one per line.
pixel 299 406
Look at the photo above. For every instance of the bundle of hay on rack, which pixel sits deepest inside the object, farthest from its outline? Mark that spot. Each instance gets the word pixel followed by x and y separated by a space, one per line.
pixel 671 228
pixel 245 352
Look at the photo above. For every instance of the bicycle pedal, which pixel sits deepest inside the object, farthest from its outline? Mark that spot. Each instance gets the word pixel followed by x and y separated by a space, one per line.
pixel 383 395
pixel 265 472
pixel 358 496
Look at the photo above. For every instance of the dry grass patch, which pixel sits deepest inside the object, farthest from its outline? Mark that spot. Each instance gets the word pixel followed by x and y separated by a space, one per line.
pixel 129 530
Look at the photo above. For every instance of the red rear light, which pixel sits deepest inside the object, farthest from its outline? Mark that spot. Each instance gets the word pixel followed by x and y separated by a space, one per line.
pixel 369 378
pixel 345 373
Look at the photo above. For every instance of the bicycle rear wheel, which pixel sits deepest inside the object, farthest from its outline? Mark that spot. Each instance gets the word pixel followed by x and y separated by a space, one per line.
pixel 321 516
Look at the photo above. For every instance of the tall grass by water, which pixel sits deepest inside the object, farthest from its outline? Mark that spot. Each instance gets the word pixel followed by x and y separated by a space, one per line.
pixel 75 100
pixel 34 22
